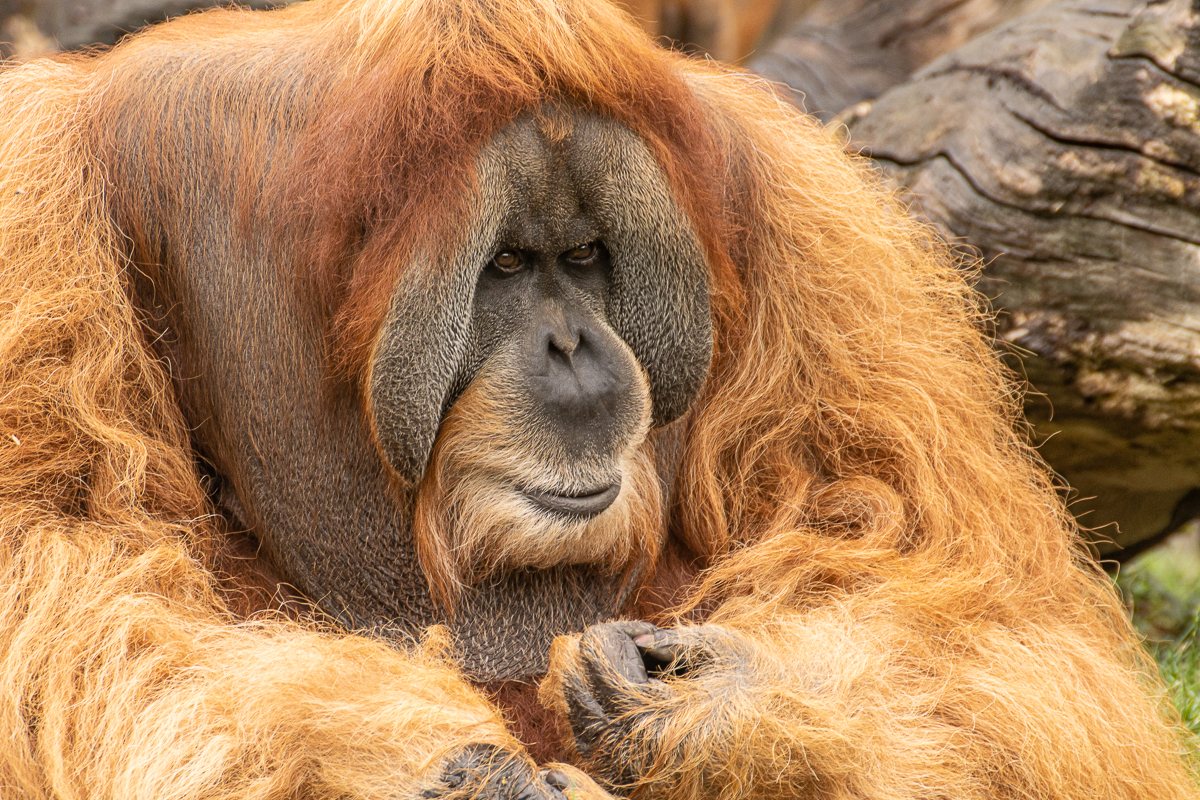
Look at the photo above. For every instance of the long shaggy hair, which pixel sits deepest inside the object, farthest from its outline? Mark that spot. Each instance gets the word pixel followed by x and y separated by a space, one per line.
pixel 852 476
pixel 122 672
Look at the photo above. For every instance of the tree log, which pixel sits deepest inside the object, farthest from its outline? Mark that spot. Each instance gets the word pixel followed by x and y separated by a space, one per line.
pixel 1065 148
pixel 843 52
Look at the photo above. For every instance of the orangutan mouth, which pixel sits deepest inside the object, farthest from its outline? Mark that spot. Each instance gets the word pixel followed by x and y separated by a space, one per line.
pixel 577 505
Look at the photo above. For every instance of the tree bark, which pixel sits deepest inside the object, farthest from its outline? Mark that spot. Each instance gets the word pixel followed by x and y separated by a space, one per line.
pixel 1065 148
pixel 843 52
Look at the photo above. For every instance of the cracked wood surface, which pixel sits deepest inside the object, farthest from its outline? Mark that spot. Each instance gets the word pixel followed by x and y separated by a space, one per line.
pixel 1064 147
pixel 842 52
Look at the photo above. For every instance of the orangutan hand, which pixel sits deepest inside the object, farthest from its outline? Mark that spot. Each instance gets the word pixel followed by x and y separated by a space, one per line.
pixel 487 772
pixel 647 704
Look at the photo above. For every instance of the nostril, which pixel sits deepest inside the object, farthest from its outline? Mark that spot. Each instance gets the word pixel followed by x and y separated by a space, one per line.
pixel 565 342
pixel 584 379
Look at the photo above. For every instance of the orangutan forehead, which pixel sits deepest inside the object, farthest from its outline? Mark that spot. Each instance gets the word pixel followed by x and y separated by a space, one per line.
pixel 534 174
pixel 554 178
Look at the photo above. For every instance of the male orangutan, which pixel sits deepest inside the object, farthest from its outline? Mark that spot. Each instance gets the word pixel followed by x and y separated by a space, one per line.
pixel 399 394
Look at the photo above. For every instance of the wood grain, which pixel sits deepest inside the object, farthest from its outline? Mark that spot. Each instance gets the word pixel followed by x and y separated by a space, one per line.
pixel 1064 148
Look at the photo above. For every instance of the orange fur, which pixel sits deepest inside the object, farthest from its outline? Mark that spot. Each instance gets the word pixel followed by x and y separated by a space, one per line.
pixel 122 674
pixel 921 615
pixel 885 551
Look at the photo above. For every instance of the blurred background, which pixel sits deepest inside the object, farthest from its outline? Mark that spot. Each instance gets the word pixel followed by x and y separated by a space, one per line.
pixel 1056 144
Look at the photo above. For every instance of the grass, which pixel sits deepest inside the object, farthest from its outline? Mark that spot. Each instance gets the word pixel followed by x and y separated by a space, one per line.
pixel 1162 589
pixel 1179 663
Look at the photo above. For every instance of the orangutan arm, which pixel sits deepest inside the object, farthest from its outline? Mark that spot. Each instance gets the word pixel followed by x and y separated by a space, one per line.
pixel 119 678
pixel 867 696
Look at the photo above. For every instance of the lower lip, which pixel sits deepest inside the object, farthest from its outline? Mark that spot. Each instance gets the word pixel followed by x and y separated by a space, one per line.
pixel 581 506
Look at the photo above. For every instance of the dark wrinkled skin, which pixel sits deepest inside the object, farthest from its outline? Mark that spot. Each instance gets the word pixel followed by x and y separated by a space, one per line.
pixel 625 669
pixel 486 771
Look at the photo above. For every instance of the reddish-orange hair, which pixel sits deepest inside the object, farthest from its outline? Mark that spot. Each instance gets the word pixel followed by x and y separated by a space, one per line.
pixel 391 160
pixel 854 471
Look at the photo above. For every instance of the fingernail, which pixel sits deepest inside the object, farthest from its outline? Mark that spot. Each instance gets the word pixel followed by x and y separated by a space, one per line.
pixel 557 779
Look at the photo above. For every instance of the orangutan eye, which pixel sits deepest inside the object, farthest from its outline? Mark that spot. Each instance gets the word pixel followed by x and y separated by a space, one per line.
pixel 582 254
pixel 508 261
